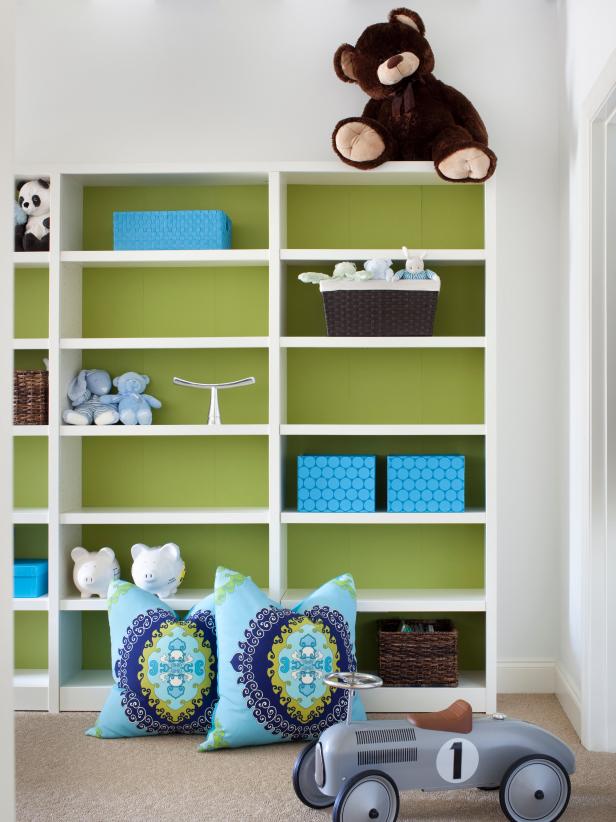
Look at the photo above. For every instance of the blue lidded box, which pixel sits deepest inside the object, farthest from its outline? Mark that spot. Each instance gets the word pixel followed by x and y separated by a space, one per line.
pixel 421 483
pixel 30 578
pixel 171 230
pixel 334 484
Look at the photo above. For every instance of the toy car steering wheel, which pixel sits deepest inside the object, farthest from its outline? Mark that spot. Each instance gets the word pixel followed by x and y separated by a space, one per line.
pixel 353 681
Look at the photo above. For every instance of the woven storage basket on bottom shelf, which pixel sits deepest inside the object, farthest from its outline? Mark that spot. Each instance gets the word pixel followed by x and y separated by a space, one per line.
pixel 419 660
pixel 376 308
pixel 30 398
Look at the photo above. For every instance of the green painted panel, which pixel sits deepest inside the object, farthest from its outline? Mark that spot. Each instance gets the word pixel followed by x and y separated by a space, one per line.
pixel 30 541
pixel 387 556
pixel 180 302
pixel 30 360
pixel 245 205
pixel 95 642
pixel 31 302
pixel 31 650
pixel 30 472
pixel 190 406
pixel 173 472
pixel 471 639
pixel 348 386
pixel 460 309
pixel 385 216
pixel 204 548
pixel 471 447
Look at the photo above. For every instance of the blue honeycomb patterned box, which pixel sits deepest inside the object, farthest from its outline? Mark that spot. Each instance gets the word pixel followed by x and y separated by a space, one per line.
pixel 171 230
pixel 334 484
pixel 425 483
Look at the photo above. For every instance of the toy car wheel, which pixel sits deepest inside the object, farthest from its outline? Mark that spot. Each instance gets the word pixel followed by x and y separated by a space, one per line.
pixel 535 788
pixel 304 781
pixel 368 795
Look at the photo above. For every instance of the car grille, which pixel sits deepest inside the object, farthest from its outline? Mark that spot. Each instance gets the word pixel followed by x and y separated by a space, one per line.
pixel 372 737
pixel 388 756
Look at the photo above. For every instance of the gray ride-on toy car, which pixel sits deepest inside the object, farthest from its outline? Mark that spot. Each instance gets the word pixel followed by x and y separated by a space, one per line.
pixel 359 767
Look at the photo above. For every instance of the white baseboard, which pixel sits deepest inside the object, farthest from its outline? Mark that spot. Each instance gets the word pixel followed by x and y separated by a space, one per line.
pixel 526 676
pixel 569 698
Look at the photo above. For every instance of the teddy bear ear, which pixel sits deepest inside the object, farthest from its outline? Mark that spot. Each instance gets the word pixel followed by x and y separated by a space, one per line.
pixel 343 63
pixel 406 17
pixel 43 182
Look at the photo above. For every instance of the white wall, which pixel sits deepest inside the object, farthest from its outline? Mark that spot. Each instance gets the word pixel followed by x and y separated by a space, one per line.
pixel 588 31
pixel 210 79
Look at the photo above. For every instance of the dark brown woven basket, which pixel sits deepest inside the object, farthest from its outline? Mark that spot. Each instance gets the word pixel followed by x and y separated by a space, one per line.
pixel 421 660
pixel 372 313
pixel 31 398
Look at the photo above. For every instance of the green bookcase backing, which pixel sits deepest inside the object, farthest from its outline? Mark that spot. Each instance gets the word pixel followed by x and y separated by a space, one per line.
pixel 30 472
pixel 31 648
pixel 31 302
pixel 30 541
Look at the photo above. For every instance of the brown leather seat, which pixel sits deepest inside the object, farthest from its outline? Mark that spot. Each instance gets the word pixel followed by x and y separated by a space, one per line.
pixel 457 719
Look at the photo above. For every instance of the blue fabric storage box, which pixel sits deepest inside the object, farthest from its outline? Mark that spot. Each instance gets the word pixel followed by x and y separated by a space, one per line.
pixel 334 484
pixel 170 230
pixel 432 483
pixel 30 578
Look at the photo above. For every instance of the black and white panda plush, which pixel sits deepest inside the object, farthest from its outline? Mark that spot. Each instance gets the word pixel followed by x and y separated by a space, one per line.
pixel 34 200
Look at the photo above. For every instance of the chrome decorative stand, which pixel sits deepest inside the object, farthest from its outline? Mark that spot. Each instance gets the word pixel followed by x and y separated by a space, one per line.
pixel 215 387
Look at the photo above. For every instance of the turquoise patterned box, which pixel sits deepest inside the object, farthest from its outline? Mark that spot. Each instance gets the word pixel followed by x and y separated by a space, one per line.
pixel 421 483
pixel 334 484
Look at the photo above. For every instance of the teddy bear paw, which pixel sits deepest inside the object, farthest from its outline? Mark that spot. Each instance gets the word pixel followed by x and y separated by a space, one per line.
pixel 359 142
pixel 466 164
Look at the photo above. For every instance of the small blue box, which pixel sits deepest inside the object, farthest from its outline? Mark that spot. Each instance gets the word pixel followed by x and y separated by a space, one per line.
pixel 425 483
pixel 335 484
pixel 170 230
pixel 30 578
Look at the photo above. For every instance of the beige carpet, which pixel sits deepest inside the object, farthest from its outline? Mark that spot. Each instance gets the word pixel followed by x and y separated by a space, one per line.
pixel 66 777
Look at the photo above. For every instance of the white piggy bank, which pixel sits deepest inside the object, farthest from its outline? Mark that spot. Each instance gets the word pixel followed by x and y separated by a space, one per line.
pixel 94 570
pixel 157 570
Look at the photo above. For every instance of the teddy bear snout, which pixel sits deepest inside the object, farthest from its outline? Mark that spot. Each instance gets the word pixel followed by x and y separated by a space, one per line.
pixel 395 68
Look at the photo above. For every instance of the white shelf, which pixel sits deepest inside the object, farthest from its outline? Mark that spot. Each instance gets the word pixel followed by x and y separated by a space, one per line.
pixel 31 603
pixel 473 517
pixel 407 600
pixel 109 343
pixel 471 687
pixel 462 256
pixel 165 516
pixel 30 516
pixel 164 430
pixel 30 430
pixel 31 259
pixel 182 601
pixel 383 342
pixel 85 691
pixel 30 343
pixel 383 430
pixel 167 259
pixel 31 689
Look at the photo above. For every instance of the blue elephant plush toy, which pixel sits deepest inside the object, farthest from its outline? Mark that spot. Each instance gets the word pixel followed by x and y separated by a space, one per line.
pixel 134 406
pixel 84 393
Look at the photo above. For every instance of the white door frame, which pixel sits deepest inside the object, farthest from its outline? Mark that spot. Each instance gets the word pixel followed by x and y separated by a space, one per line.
pixel 598 567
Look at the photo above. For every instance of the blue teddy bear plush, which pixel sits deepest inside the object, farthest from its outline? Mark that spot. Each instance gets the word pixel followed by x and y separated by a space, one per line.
pixel 134 406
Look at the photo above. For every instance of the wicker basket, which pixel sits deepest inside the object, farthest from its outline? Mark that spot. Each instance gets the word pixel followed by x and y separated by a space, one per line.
pixel 421 660
pixel 31 398
pixel 376 308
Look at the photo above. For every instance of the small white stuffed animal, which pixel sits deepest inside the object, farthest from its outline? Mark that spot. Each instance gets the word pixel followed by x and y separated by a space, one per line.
pixel 157 570
pixel 414 268
pixel 94 570
pixel 34 201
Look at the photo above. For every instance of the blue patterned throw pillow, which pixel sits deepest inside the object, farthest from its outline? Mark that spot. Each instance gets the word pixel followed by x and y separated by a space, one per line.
pixel 272 662
pixel 164 667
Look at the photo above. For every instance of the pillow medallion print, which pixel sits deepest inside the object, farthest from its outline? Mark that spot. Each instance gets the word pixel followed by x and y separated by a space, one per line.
pixel 164 667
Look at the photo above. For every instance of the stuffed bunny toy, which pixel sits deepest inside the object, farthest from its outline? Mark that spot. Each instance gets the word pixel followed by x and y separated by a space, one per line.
pixel 414 268
pixel 84 392
pixel 134 406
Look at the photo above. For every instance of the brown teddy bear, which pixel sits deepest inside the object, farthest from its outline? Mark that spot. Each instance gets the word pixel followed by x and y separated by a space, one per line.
pixel 410 115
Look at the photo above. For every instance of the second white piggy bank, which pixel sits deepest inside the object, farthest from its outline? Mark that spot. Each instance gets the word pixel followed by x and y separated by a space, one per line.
pixel 157 570
pixel 94 570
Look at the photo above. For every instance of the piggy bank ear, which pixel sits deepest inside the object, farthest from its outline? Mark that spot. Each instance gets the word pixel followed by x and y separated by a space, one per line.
pixel 170 550
pixel 78 552
pixel 107 552
pixel 138 549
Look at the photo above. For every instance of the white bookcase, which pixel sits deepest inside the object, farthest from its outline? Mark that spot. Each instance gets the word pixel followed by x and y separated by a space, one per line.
pixel 65 686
